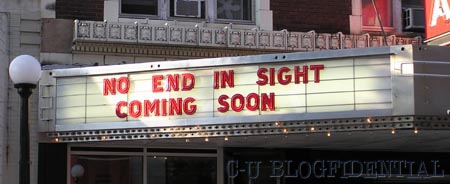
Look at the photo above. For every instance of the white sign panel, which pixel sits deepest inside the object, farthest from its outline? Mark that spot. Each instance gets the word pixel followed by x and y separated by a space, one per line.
pixel 336 85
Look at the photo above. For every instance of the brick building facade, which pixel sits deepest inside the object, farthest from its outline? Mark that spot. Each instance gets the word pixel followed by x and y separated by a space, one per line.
pixel 321 16
pixel 82 10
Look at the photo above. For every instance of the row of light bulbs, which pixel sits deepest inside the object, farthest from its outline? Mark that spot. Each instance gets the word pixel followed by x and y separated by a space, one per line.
pixel 328 134
pixel 393 131
pixel 283 130
pixel 416 131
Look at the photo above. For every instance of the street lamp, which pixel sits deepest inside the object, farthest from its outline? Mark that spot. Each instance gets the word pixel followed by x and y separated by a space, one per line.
pixel 77 172
pixel 25 72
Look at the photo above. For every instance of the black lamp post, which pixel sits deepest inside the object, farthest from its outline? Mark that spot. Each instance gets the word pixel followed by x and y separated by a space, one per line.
pixel 25 72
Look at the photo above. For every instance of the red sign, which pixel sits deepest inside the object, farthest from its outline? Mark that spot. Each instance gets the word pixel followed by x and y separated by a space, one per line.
pixel 437 16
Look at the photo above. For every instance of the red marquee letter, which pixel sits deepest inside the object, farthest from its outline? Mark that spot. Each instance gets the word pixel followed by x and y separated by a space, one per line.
pixel 157 83
pixel 249 105
pixel 301 73
pixel 188 81
pixel 175 106
pixel 240 99
pixel 281 71
pixel 119 112
pixel 151 107
pixel 135 109
pixel 124 85
pixel 189 109
pixel 262 76
pixel 272 76
pixel 316 69
pixel 268 101
pixel 224 105
pixel 109 85
pixel 173 83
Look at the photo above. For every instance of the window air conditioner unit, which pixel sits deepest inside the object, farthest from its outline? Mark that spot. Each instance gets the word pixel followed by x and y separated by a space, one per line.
pixel 413 19
pixel 187 8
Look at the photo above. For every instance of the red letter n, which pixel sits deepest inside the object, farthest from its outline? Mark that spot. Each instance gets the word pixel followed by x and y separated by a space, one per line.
pixel 109 85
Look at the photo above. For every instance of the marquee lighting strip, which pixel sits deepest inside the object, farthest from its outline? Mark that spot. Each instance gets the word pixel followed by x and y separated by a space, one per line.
pixel 254 129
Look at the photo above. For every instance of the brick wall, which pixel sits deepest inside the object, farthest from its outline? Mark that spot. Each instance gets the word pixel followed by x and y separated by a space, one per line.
pixel 323 16
pixel 80 9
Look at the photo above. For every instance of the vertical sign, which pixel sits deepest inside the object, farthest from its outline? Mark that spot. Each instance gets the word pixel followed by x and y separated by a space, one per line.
pixel 437 17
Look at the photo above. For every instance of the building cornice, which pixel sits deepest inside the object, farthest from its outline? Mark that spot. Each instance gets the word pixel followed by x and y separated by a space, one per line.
pixel 186 41
pixel 162 50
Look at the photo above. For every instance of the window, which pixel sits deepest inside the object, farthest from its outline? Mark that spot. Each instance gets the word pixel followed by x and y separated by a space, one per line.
pixel 369 16
pixel 201 10
pixel 139 7
pixel 179 169
pixel 234 9
pixel 187 8
pixel 102 169
pixel 104 165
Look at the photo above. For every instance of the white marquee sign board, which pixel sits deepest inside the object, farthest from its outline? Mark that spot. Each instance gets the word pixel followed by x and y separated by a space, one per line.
pixel 252 91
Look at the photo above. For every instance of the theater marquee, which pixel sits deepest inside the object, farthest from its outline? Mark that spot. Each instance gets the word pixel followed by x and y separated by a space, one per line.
pixel 221 90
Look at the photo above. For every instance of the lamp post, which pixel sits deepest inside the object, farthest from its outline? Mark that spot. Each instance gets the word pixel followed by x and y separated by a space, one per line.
pixel 77 172
pixel 25 72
